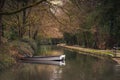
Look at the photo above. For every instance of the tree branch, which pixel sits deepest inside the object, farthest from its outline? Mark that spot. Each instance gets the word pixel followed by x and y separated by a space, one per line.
pixel 23 8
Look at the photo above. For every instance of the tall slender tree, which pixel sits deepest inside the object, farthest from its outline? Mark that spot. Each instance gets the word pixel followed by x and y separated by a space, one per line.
pixel 1 9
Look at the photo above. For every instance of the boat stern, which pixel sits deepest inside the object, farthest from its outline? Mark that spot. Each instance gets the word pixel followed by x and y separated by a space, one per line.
pixel 62 57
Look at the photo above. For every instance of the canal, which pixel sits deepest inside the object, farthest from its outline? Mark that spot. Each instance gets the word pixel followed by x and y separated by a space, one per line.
pixel 75 67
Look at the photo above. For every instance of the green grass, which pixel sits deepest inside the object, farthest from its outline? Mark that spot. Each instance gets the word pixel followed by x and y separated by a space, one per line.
pixel 90 51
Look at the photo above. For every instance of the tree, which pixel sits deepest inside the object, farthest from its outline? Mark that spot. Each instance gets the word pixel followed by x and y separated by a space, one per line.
pixel 2 3
pixel 1 9
pixel 102 20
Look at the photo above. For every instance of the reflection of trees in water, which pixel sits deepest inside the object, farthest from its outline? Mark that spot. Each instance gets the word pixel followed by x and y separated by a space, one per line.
pixel 56 74
pixel 33 72
pixel 117 71
pixel 88 68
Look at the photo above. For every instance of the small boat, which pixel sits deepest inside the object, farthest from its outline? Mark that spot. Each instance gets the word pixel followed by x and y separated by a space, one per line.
pixel 46 58
pixel 58 63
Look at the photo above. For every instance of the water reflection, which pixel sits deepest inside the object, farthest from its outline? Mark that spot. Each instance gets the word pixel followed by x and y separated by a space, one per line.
pixel 59 63
pixel 117 71
pixel 78 67
pixel 84 67
pixel 33 72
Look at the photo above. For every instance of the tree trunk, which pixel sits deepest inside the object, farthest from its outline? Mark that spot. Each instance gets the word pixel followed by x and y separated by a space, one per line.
pixel 111 40
pixel 21 26
pixel 24 21
pixel 1 7
pixel 29 32
pixel 85 39
pixel 0 28
pixel 35 34
pixel 96 45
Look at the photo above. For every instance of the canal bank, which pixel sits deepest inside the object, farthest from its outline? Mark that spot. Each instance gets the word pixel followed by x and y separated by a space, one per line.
pixel 92 52
pixel 11 52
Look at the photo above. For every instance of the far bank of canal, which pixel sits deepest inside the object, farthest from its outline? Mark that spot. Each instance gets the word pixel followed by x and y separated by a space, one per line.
pixel 102 54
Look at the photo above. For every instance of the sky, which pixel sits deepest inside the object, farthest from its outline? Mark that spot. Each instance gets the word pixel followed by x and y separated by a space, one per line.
pixel 58 3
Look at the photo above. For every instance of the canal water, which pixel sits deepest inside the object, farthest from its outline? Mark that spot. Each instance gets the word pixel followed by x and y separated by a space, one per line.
pixel 75 67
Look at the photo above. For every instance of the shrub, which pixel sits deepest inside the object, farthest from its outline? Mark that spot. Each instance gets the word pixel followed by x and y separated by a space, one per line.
pixel 20 49
pixel 30 42
pixel 6 60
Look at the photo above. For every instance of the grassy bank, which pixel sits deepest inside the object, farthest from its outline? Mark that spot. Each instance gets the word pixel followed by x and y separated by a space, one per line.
pixel 6 60
pixel 88 51
pixel 11 52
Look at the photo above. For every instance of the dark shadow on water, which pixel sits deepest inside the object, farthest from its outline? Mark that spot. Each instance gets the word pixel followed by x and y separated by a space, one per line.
pixel 57 63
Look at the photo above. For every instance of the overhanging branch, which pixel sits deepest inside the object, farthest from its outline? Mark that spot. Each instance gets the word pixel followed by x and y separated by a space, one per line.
pixel 23 8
